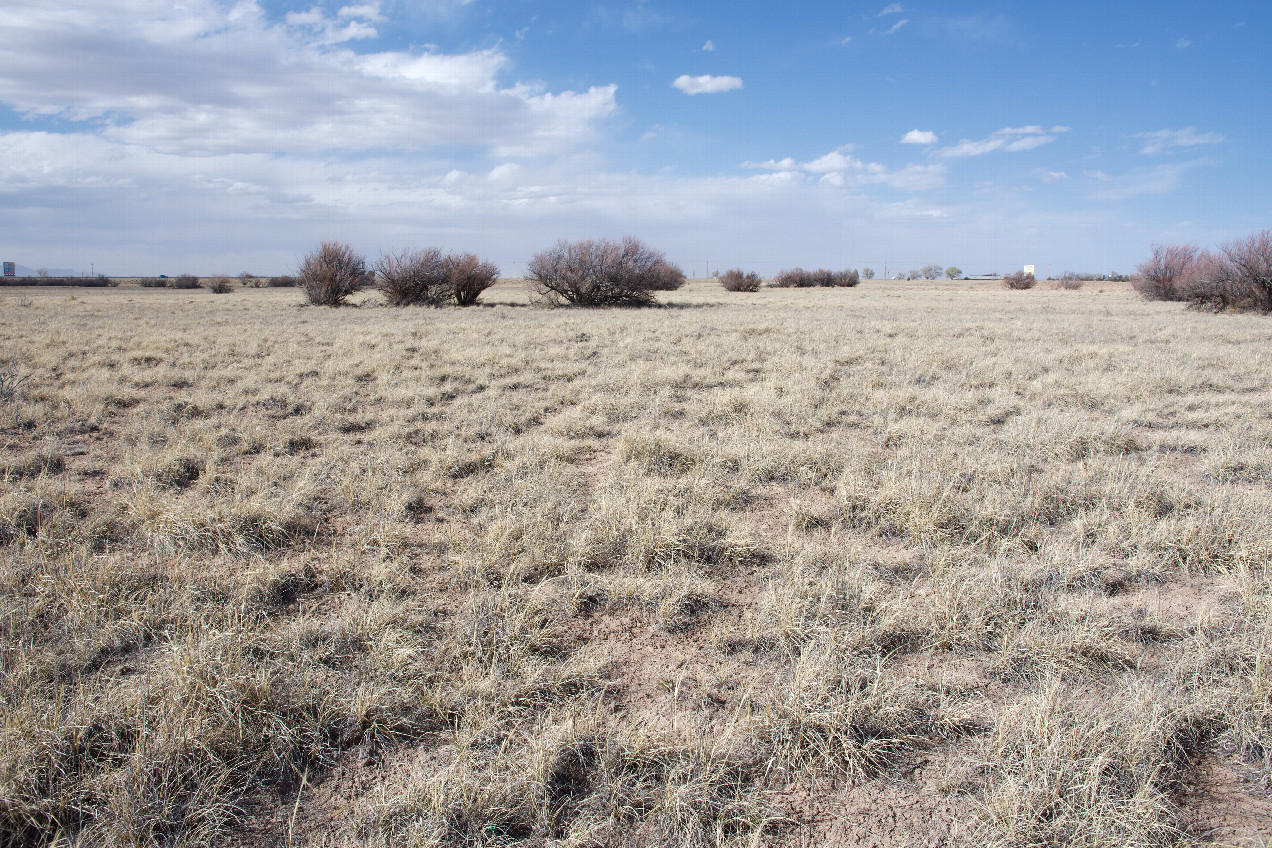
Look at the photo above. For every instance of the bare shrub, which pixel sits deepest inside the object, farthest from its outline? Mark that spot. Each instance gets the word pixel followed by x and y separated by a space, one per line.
pixel 414 278
pixel 469 277
pixel 285 281
pixel 220 285
pixel 602 273
pixel 737 280
pixel 1159 277
pixel 185 281
pixel 1019 281
pixel 1069 281
pixel 153 283
pixel 801 279
pixel 1249 265
pixel 331 273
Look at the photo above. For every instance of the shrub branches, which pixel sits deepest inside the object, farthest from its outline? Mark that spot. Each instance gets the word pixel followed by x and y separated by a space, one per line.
pixel 602 272
pixel 331 273
pixel 737 280
pixel 1238 276
pixel 801 279
pixel 429 278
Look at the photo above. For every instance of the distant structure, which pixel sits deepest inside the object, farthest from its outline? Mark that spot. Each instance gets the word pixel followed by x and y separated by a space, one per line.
pixel 1029 269
pixel 11 269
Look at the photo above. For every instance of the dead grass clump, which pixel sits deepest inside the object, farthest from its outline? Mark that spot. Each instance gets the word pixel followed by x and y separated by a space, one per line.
pixel 1064 769
pixel 737 280
pixel 852 718
pixel 333 272
pixel 602 273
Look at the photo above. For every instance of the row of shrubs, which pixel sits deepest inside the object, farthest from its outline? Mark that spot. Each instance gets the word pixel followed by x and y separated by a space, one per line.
pixel 1236 276
pixel 597 272
pixel 98 281
pixel 219 284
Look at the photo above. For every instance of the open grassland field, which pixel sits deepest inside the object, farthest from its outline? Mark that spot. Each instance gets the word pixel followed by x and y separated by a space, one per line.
pixel 903 564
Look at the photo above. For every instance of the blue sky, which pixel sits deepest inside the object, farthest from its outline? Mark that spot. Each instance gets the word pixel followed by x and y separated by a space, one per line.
pixel 212 136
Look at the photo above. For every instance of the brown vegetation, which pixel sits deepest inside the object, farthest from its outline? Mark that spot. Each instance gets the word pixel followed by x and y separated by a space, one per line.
pixel 737 280
pixel 1019 281
pixel 801 279
pixel 330 274
pixel 933 567
pixel 602 273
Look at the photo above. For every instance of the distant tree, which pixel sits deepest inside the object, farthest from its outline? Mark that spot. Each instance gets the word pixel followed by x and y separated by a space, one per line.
pixel 953 272
pixel 930 272
pixel 867 273
pixel 42 273
pixel 912 274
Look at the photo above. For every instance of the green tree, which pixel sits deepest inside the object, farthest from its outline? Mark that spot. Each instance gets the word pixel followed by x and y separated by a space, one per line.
pixel 953 272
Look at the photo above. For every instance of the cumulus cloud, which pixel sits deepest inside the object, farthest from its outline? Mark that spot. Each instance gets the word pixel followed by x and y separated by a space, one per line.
pixel 919 137
pixel 840 168
pixel 706 84
pixel 1162 140
pixel 202 78
pixel 1008 140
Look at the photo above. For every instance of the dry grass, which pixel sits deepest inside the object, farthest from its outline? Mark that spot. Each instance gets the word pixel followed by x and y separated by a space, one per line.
pixel 724 573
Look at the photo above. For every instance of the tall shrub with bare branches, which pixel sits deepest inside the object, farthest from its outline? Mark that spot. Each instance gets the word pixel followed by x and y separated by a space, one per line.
pixel 1249 261
pixel 1160 276
pixel 469 277
pixel 602 272
pixel 333 272
pixel 1019 281
pixel 414 278
pixel 737 280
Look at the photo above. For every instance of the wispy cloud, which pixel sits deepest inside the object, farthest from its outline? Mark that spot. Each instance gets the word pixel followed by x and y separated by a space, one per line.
pixel 1184 42
pixel 890 9
pixel 709 47
pixel 896 26
pixel 1161 179
pixel 840 168
pixel 1007 140
pixel 706 84
pixel 917 136
pixel 1054 176
pixel 1162 140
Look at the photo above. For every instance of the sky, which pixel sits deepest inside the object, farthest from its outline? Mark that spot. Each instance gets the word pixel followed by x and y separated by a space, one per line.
pixel 140 137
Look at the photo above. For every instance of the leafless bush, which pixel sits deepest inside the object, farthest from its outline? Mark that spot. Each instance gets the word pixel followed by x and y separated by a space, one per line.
pixel 1069 281
pixel 602 273
pixel 285 281
pixel 11 379
pixel 801 279
pixel 1249 266
pixel 737 280
pixel 414 278
pixel 247 278
pixel 469 277
pixel 153 283
pixel 185 281
pixel 220 285
pixel 1159 277
pixel 1019 280
pixel 331 273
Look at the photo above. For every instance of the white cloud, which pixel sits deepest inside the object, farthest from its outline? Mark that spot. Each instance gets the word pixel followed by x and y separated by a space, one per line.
pixel 203 79
pixel 1184 43
pixel 1161 140
pixel 1054 176
pixel 706 84
pixel 890 9
pixel 1008 139
pixel 839 168
pixel 709 47
pixel 1162 179
pixel 917 136
pixel 897 26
